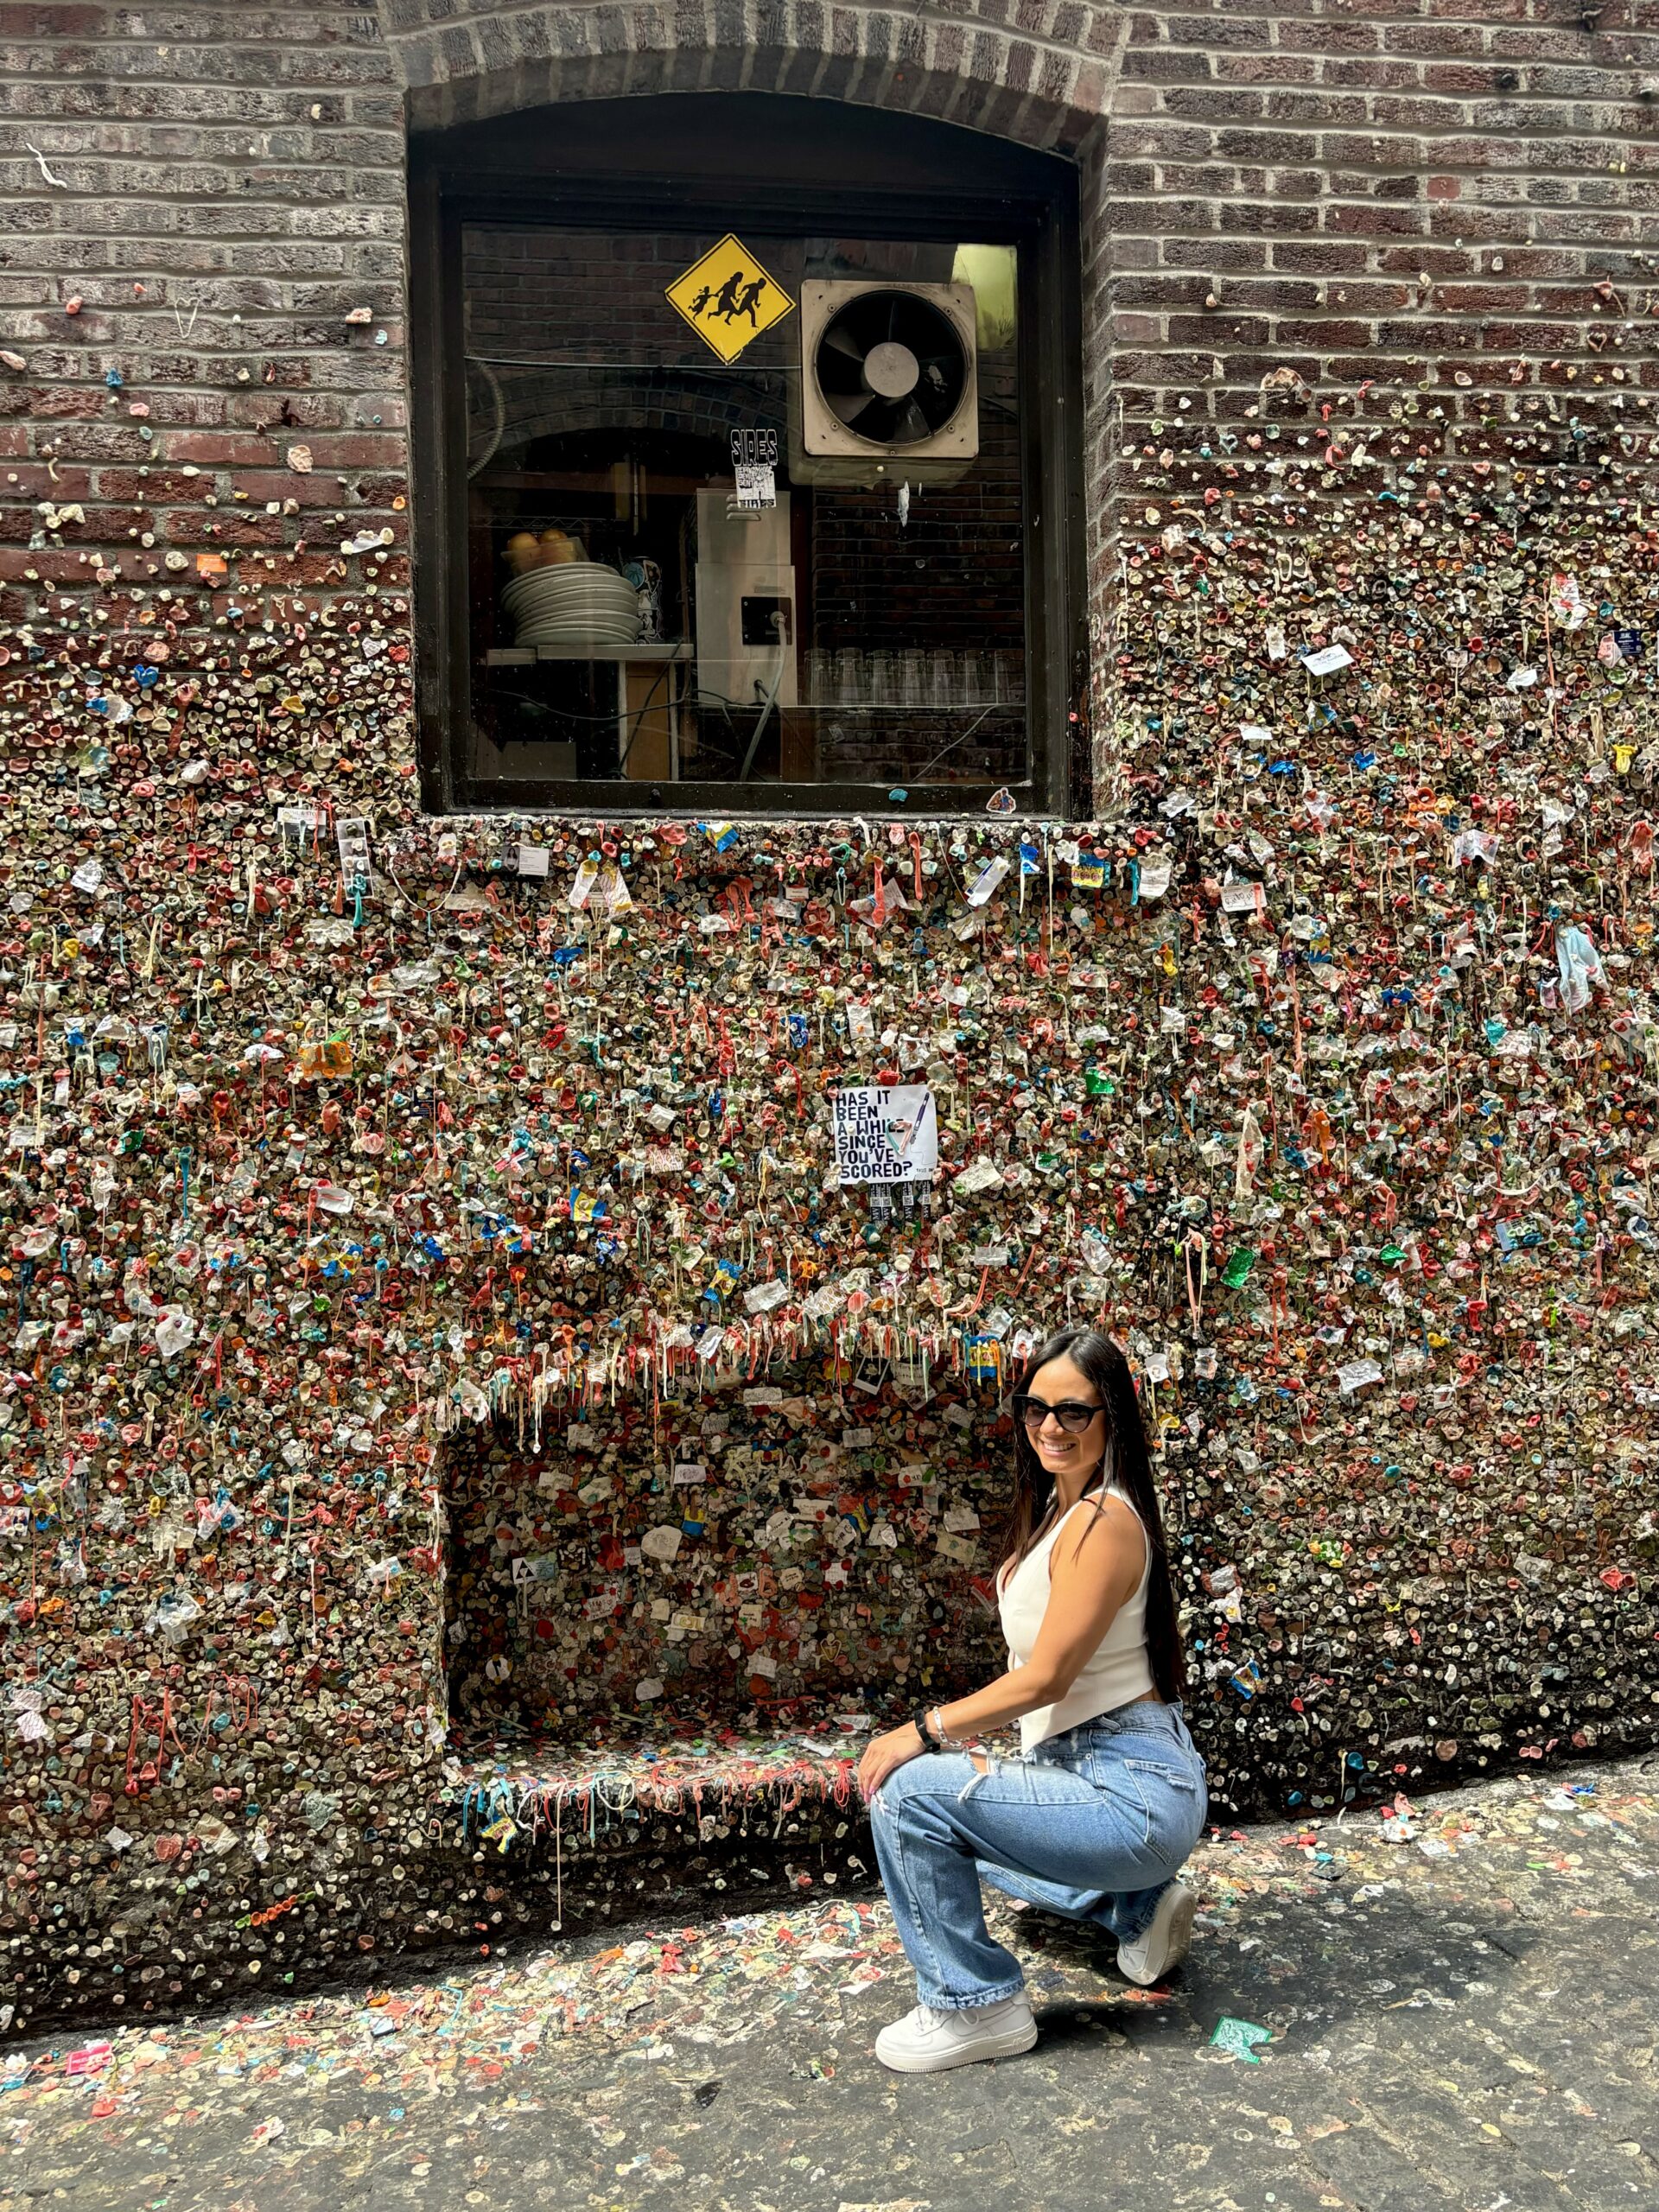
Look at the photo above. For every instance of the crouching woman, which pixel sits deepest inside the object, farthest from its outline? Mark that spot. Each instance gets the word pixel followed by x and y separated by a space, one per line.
pixel 1108 1797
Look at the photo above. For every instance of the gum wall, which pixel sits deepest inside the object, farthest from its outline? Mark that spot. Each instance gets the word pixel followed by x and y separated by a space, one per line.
pixel 457 1444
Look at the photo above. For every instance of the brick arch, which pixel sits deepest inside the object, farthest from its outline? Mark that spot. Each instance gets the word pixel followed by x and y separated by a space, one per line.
pixel 1045 82
pixel 534 405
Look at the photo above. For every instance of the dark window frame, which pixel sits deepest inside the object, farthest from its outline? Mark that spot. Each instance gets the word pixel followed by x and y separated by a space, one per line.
pixel 911 184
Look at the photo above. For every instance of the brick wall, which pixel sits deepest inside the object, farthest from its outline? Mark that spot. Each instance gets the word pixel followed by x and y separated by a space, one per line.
pixel 1369 351
pixel 1447 201
pixel 1450 206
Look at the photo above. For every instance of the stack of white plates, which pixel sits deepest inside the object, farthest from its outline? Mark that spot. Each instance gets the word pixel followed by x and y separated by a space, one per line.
pixel 575 603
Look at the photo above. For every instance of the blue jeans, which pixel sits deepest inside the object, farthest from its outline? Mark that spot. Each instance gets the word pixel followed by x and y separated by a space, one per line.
pixel 1093 1824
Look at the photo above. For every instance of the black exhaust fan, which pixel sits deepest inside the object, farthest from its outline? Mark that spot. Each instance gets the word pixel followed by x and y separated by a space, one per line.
pixel 891 368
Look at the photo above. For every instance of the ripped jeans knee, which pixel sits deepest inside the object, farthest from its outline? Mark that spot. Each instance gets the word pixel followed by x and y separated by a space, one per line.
pixel 929 1780
pixel 982 1763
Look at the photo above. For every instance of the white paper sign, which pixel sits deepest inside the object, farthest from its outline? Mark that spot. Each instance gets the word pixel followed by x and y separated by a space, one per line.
pixel 1327 661
pixel 886 1136
pixel 757 486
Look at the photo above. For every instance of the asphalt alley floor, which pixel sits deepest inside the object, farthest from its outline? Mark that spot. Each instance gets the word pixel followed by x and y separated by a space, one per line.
pixel 1461 2015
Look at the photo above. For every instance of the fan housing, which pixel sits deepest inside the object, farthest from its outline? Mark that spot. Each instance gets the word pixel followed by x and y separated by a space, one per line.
pixel 889 382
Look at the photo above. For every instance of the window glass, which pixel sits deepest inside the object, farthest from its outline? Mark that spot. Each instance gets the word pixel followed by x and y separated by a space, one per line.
pixel 846 607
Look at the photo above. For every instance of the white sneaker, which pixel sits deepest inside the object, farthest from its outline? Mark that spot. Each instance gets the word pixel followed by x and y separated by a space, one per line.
pixel 1165 1942
pixel 926 2042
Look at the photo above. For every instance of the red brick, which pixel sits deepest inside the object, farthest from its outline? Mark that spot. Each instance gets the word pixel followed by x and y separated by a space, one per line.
pixel 1324 336
pixel 1372 220
pixel 1320 257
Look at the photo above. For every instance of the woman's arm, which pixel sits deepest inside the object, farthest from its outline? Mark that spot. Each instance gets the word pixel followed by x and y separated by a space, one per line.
pixel 1091 1574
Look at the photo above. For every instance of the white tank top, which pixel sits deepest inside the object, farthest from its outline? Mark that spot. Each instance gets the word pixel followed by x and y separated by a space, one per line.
pixel 1118 1670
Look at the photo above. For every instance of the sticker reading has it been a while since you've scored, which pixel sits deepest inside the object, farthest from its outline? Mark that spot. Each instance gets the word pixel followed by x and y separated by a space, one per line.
pixel 887 1135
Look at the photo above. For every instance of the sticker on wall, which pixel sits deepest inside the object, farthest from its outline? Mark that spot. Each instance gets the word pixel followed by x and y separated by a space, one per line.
pixel 729 298
pixel 754 464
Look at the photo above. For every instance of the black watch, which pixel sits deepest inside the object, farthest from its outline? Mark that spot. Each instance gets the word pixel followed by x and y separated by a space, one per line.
pixel 920 1723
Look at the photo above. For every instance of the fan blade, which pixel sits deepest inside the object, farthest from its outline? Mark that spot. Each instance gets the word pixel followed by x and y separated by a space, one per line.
pixel 910 428
pixel 848 406
pixel 837 338
pixel 936 406
pixel 841 376
pixel 876 422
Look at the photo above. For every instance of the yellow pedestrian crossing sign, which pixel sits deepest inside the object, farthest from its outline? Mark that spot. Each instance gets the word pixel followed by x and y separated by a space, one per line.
pixel 729 298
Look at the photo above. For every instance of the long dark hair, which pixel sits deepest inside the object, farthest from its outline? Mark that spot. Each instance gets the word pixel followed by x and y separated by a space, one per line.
pixel 1128 1464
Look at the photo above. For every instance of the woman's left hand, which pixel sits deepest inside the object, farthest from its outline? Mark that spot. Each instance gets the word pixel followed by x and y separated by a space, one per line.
pixel 885 1753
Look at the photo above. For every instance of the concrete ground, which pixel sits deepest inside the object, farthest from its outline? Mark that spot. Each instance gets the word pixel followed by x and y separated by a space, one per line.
pixel 1462 2018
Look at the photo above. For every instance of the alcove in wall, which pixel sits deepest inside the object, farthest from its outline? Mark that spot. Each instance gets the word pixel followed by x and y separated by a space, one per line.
pixel 750 1557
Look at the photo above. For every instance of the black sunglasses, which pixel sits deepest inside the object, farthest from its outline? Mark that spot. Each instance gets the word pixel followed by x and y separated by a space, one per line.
pixel 1072 1417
